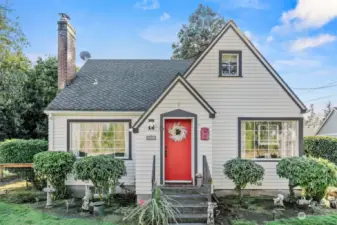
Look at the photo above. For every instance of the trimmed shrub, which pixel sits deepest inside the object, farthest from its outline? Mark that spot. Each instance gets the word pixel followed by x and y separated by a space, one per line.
pixel 23 151
pixel 321 147
pixel 103 171
pixel 313 175
pixel 243 172
pixel 54 166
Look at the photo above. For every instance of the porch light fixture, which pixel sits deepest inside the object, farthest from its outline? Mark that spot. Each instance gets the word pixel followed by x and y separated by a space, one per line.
pixel 151 124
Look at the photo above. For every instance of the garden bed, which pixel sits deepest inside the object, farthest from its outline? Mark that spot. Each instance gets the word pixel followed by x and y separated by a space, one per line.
pixel 259 210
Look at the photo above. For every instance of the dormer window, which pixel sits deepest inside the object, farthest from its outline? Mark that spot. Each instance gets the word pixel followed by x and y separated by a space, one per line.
pixel 230 64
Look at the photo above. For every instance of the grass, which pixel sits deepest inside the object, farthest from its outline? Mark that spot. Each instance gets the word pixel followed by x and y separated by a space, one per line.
pixel 310 220
pixel 14 214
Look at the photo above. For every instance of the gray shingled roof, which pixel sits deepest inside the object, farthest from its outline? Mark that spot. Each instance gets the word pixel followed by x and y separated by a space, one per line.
pixel 122 85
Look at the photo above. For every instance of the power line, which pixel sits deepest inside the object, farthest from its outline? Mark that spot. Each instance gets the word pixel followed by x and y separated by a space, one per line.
pixel 328 96
pixel 332 84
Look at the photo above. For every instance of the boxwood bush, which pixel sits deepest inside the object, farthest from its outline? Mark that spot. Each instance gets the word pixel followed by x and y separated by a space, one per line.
pixel 312 174
pixel 23 151
pixel 321 147
pixel 54 166
pixel 243 172
pixel 103 171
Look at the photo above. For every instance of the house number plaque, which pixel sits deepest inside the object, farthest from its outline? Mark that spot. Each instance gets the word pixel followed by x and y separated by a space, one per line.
pixel 151 137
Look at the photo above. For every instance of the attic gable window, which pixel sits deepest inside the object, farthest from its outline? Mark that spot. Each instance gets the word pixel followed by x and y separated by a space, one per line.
pixel 230 64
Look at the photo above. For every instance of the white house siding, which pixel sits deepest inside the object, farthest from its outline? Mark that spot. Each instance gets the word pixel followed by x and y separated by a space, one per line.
pixel 330 126
pixel 58 137
pixel 178 98
pixel 256 94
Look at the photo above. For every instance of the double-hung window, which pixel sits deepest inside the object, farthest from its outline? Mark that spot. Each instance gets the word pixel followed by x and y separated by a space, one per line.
pixel 230 64
pixel 100 138
pixel 269 138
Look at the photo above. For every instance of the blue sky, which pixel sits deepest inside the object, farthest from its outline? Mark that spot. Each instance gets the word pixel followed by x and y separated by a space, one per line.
pixel 298 37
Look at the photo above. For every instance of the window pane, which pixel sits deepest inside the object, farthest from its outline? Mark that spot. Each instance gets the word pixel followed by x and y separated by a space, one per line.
pixel 229 64
pixel 269 139
pixel 89 139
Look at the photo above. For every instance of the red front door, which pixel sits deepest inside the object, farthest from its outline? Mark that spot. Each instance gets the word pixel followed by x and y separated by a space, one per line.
pixel 178 152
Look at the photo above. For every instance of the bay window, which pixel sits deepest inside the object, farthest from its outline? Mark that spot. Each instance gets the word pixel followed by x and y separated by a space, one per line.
pixel 91 138
pixel 269 138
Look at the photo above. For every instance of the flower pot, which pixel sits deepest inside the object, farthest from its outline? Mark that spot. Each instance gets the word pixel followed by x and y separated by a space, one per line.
pixel 99 208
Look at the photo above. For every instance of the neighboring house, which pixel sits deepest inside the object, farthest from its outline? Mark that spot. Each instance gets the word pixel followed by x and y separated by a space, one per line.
pixel 230 102
pixel 329 125
pixel 309 131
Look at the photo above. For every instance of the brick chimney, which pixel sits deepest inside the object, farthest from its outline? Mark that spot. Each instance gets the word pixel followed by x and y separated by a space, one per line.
pixel 66 51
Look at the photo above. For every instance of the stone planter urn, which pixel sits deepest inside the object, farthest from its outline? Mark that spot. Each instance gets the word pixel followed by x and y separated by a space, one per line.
pixel 99 208
pixel 49 191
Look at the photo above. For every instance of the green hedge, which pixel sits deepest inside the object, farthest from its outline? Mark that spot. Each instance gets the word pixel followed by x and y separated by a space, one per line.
pixel 54 166
pixel 23 151
pixel 321 147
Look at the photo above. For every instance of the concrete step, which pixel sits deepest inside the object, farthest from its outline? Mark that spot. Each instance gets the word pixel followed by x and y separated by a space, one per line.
pixel 196 208
pixel 188 223
pixel 169 190
pixel 188 198
pixel 192 218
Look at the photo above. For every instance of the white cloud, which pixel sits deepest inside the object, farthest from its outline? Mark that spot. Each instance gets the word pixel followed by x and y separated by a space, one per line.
pixel 311 42
pixel 165 16
pixel 147 4
pixel 297 62
pixel 308 14
pixel 161 33
pixel 253 4
pixel 269 39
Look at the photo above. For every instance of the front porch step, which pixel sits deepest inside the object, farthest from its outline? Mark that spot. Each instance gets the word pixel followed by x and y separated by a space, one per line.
pixel 192 208
pixel 191 218
pixel 170 190
pixel 190 201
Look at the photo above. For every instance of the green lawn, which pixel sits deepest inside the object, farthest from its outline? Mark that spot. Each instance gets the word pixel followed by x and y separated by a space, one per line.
pixel 310 220
pixel 11 214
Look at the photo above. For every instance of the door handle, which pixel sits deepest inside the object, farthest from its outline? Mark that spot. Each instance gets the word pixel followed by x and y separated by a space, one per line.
pixel 165 151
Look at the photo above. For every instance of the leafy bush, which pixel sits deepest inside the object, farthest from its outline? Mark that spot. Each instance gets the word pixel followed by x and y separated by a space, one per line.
pixel 313 175
pixel 103 171
pixel 243 172
pixel 159 210
pixel 321 147
pixel 23 151
pixel 54 166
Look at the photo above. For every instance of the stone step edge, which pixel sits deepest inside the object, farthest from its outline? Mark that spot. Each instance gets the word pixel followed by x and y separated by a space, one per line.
pixel 191 216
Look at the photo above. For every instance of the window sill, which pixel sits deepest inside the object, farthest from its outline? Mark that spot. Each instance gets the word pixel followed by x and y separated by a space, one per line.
pixel 230 76
pixel 125 159
pixel 266 160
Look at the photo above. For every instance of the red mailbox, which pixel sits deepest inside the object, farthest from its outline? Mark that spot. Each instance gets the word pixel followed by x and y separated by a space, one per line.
pixel 204 133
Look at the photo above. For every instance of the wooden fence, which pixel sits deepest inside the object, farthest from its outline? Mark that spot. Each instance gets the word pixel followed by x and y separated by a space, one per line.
pixel 13 165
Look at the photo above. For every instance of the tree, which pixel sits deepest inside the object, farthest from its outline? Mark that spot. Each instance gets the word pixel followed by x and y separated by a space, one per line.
pixel 312 119
pixel 24 96
pixel 12 40
pixel 194 38
pixel 327 110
